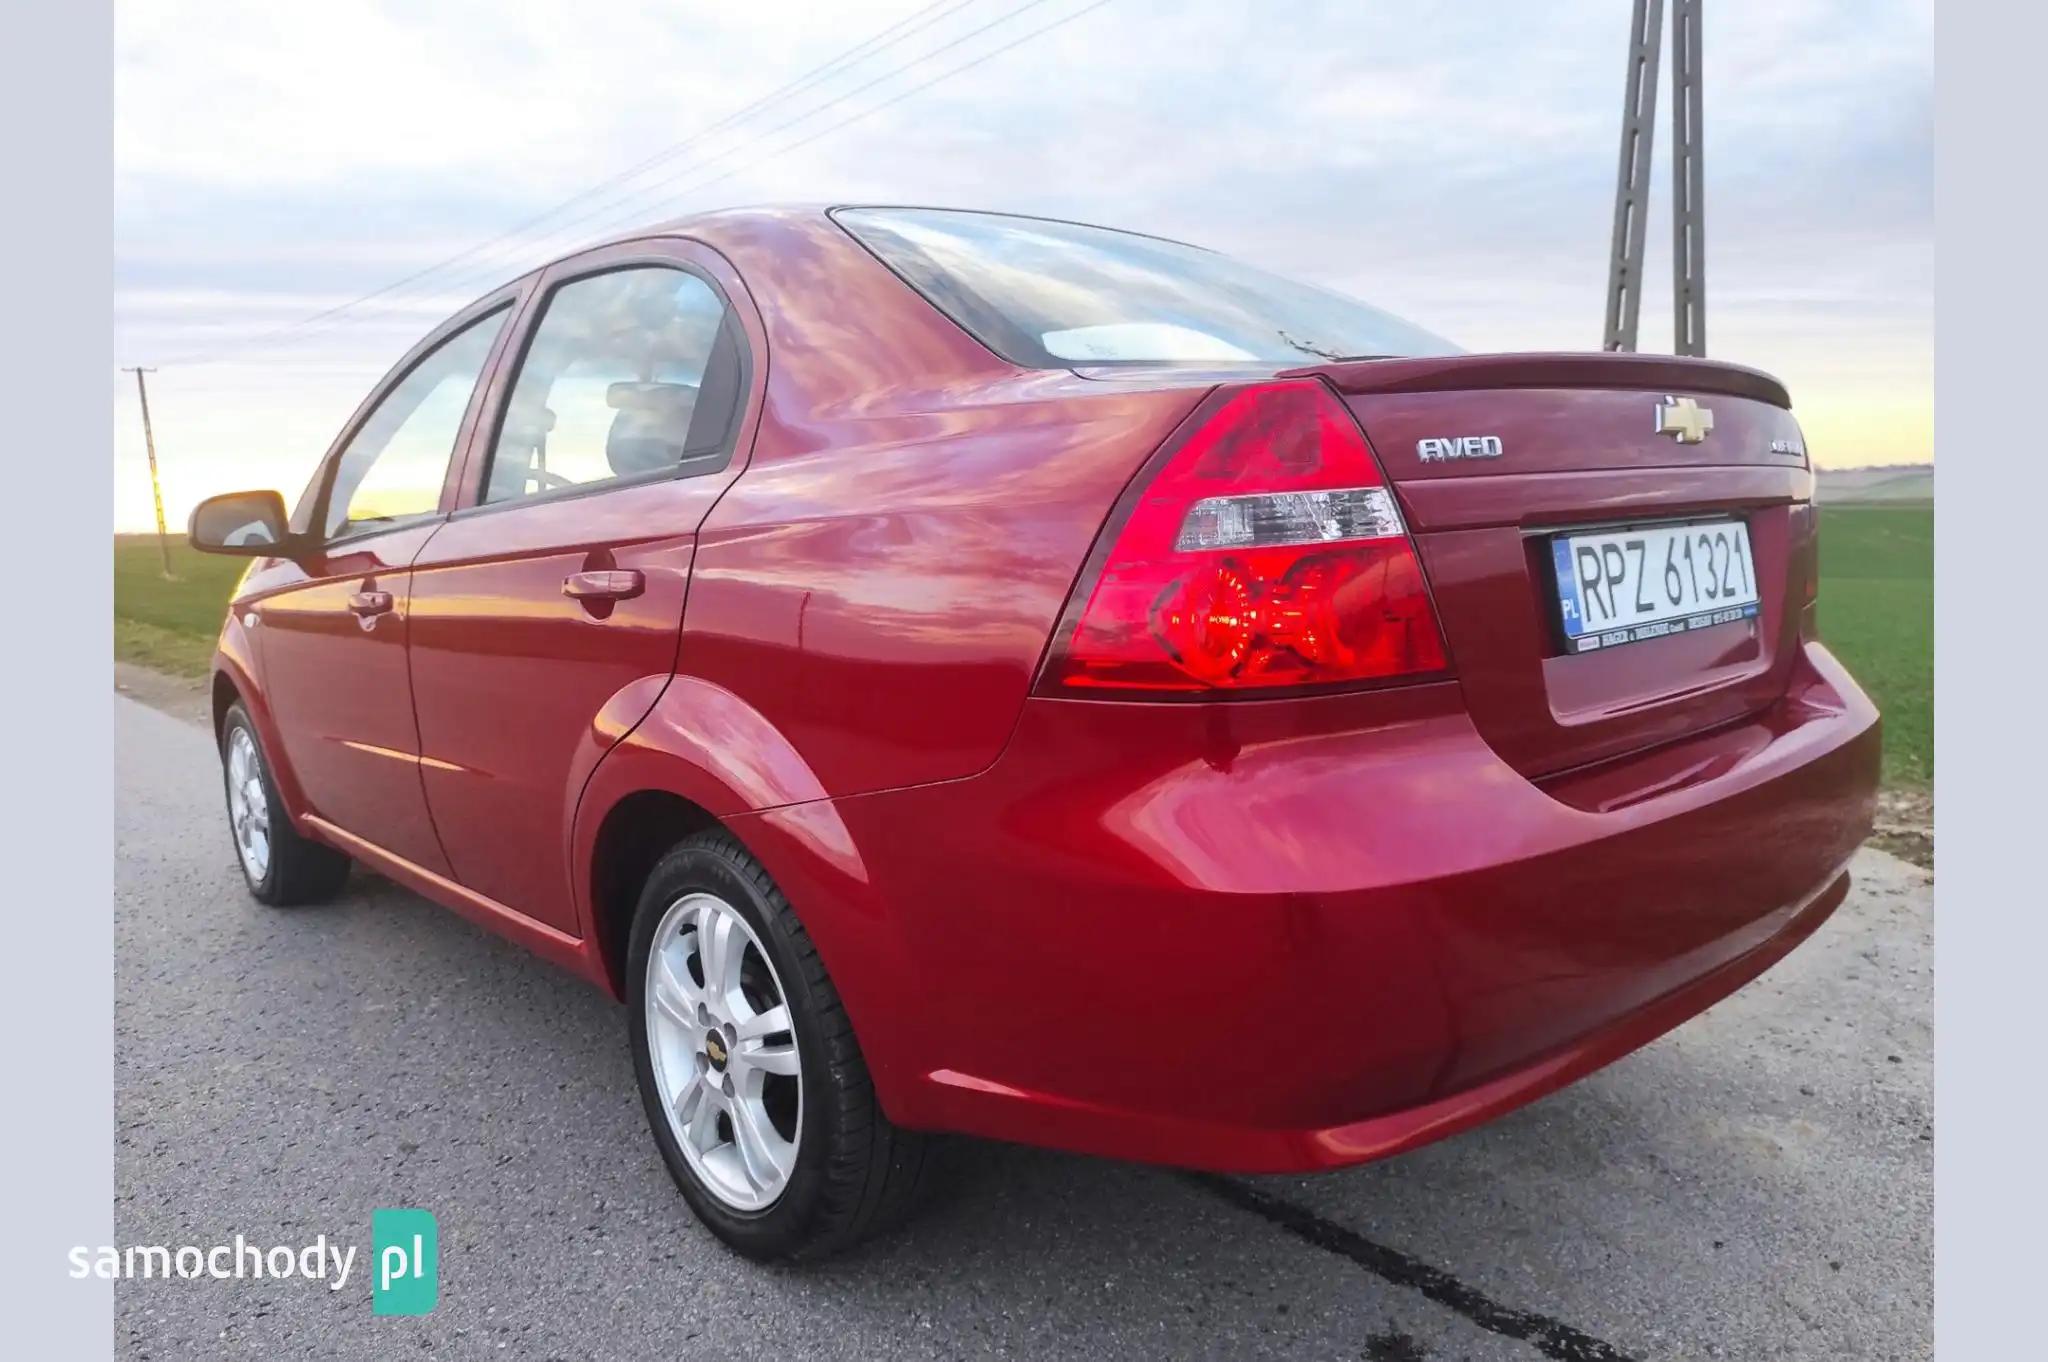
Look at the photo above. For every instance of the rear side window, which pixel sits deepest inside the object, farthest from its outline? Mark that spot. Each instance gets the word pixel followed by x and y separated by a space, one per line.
pixel 634 372
pixel 1052 295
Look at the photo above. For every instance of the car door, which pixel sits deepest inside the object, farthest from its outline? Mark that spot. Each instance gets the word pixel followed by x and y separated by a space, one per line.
pixel 545 613
pixel 333 623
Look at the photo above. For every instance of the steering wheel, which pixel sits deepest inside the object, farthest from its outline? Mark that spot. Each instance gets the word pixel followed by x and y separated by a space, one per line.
pixel 548 481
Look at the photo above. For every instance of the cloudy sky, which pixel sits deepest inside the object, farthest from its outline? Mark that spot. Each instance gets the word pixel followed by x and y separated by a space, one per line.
pixel 1453 162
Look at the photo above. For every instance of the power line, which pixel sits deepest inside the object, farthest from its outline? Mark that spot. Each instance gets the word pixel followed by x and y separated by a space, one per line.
pixel 637 208
pixel 791 89
pixel 501 268
pixel 854 54
pixel 893 99
pixel 497 272
pixel 882 40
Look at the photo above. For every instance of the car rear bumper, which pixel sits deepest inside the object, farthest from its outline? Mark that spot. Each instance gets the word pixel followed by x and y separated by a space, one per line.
pixel 1341 928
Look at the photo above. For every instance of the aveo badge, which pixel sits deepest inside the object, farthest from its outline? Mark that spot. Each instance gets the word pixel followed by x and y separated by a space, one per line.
pixel 1445 449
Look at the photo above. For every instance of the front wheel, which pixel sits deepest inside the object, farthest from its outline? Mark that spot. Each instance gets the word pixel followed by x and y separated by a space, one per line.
pixel 281 867
pixel 755 1088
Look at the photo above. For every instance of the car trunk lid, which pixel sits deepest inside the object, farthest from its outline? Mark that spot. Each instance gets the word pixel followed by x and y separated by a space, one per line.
pixel 1493 456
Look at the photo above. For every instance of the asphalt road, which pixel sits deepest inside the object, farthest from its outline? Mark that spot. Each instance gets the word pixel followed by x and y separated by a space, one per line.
pixel 1758 1184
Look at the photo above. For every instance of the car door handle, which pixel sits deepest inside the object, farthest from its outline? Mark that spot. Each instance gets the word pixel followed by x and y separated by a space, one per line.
pixel 618 584
pixel 369 603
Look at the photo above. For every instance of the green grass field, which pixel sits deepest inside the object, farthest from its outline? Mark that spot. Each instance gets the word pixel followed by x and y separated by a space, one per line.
pixel 1876 612
pixel 169 625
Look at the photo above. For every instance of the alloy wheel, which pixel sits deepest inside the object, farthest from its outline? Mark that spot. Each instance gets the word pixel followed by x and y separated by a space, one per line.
pixel 248 804
pixel 724 1051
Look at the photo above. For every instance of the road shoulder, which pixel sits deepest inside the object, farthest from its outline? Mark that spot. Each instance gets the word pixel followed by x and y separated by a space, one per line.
pixel 181 697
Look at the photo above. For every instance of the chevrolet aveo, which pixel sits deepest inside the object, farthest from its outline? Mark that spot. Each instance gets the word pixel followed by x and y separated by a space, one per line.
pixel 958 672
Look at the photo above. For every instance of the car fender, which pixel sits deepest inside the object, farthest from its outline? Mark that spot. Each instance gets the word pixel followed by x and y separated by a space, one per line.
pixel 711 747
pixel 234 658
pixel 703 743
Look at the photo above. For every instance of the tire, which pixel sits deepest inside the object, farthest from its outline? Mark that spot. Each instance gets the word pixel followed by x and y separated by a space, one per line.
pixel 292 870
pixel 853 1174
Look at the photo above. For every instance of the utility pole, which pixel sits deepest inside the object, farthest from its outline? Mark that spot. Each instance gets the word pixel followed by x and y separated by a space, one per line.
pixel 1632 188
pixel 1688 186
pixel 156 490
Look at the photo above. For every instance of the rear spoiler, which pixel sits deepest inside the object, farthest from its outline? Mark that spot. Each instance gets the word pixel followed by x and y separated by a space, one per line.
pixel 1560 369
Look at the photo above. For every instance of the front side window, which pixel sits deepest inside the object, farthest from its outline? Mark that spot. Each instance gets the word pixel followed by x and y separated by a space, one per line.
pixel 395 463
pixel 634 372
pixel 1050 295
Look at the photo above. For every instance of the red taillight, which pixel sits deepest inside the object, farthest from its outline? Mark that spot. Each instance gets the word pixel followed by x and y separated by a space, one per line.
pixel 1805 522
pixel 1267 551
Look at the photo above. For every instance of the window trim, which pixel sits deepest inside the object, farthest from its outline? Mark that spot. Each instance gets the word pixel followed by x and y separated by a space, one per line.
pixel 648 255
pixel 506 300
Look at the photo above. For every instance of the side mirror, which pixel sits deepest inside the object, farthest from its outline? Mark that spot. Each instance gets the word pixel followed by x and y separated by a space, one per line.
pixel 246 524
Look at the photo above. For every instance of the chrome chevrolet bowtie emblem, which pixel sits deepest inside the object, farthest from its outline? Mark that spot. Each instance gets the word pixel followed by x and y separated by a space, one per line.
pixel 1684 420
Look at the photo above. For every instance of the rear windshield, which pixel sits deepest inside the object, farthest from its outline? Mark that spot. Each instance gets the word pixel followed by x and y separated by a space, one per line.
pixel 1052 295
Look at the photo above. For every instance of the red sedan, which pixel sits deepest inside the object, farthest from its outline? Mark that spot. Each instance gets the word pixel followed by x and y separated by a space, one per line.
pixel 959 672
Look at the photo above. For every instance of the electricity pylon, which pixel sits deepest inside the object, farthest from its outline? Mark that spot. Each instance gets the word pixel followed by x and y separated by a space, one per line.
pixel 1632 189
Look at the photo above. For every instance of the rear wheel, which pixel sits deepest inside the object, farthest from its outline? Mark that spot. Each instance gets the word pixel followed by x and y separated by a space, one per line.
pixel 755 1088
pixel 281 867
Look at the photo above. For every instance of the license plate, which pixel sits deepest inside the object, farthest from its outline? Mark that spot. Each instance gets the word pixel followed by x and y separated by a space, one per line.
pixel 1624 586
